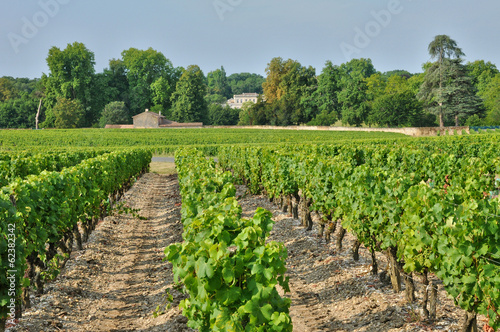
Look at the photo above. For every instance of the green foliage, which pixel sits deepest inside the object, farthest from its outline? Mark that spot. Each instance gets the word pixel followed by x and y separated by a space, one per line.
pixel 114 113
pixel 45 207
pixel 353 98
pixel 219 115
pixel 218 83
pixel 400 109
pixel 68 113
pixel 323 104
pixel 447 90
pixel 491 96
pixel 287 85
pixel 443 47
pixel 431 201
pixel 225 264
pixel 71 77
pixel 245 83
pixel 323 119
pixel 188 100
pixel 143 69
pixel 19 112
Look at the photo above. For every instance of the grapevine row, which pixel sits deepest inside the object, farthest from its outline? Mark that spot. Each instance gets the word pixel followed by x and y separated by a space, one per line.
pixel 21 165
pixel 40 217
pixel 224 263
pixel 429 212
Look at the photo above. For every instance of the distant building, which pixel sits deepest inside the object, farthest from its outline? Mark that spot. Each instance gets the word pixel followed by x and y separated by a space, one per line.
pixel 239 100
pixel 154 120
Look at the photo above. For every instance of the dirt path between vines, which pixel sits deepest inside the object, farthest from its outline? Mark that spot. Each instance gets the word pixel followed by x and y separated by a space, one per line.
pixel 119 279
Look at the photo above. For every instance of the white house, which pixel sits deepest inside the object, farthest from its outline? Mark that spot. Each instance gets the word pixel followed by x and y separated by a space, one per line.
pixel 239 100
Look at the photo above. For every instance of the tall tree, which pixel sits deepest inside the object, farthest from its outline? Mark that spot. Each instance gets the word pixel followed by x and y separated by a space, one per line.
pixel 245 82
pixel 188 102
pixel 218 83
pixel 68 113
pixel 491 96
pixel 448 90
pixel 71 77
pixel 443 48
pixel 353 97
pixel 143 68
pixel 286 84
pixel 324 102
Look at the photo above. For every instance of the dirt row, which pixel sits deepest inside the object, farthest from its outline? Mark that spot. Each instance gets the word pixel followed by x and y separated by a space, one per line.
pixel 119 279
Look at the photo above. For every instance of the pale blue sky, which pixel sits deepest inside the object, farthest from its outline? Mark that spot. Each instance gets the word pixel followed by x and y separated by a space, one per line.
pixel 244 35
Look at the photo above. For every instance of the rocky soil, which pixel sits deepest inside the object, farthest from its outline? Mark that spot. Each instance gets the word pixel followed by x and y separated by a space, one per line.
pixel 119 278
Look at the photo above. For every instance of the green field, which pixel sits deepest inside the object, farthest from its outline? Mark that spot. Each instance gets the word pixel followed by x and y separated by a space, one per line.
pixel 166 141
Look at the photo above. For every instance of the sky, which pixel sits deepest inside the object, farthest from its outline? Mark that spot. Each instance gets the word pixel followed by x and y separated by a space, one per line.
pixel 244 35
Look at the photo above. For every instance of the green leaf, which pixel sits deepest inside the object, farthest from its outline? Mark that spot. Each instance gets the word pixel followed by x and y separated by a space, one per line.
pixel 267 311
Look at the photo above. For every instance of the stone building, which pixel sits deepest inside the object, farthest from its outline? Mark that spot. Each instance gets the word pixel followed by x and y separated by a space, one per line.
pixel 154 120
pixel 239 100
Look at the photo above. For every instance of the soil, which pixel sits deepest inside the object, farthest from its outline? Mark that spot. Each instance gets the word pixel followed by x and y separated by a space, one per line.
pixel 119 278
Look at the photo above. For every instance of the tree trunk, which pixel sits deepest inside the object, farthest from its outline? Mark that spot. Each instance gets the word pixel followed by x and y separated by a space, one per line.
pixel 425 281
pixel 394 269
pixel 321 229
pixel 409 288
pixel 374 262
pixel 433 301
pixel 340 237
pixel 456 120
pixel 78 237
pixel 441 121
pixel 38 113
pixel 295 207
pixel 284 203
pixel 470 322
pixel 307 216
pixel 355 250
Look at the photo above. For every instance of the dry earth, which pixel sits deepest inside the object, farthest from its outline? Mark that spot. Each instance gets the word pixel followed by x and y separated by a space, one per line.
pixel 119 278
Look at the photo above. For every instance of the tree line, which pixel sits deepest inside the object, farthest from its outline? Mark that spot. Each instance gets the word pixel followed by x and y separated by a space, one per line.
pixel 73 95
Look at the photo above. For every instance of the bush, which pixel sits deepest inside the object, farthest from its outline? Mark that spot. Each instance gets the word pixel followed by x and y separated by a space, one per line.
pixel 114 113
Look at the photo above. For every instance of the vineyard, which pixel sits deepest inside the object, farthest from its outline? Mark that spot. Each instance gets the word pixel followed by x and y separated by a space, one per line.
pixel 430 205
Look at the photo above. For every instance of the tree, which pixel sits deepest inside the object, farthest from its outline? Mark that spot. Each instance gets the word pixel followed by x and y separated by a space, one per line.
pixel 397 72
pixel 481 72
pixel 117 86
pixel 218 83
pixel 286 85
pixel 7 90
pixel 71 77
pixel 256 114
pixel 68 113
pixel 19 112
pixel 447 90
pixel 143 68
pixel 491 96
pixel 443 48
pixel 188 102
pixel 245 82
pixel 398 109
pixel 161 92
pixel 353 98
pixel 324 102
pixel 115 112
pixel 219 115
